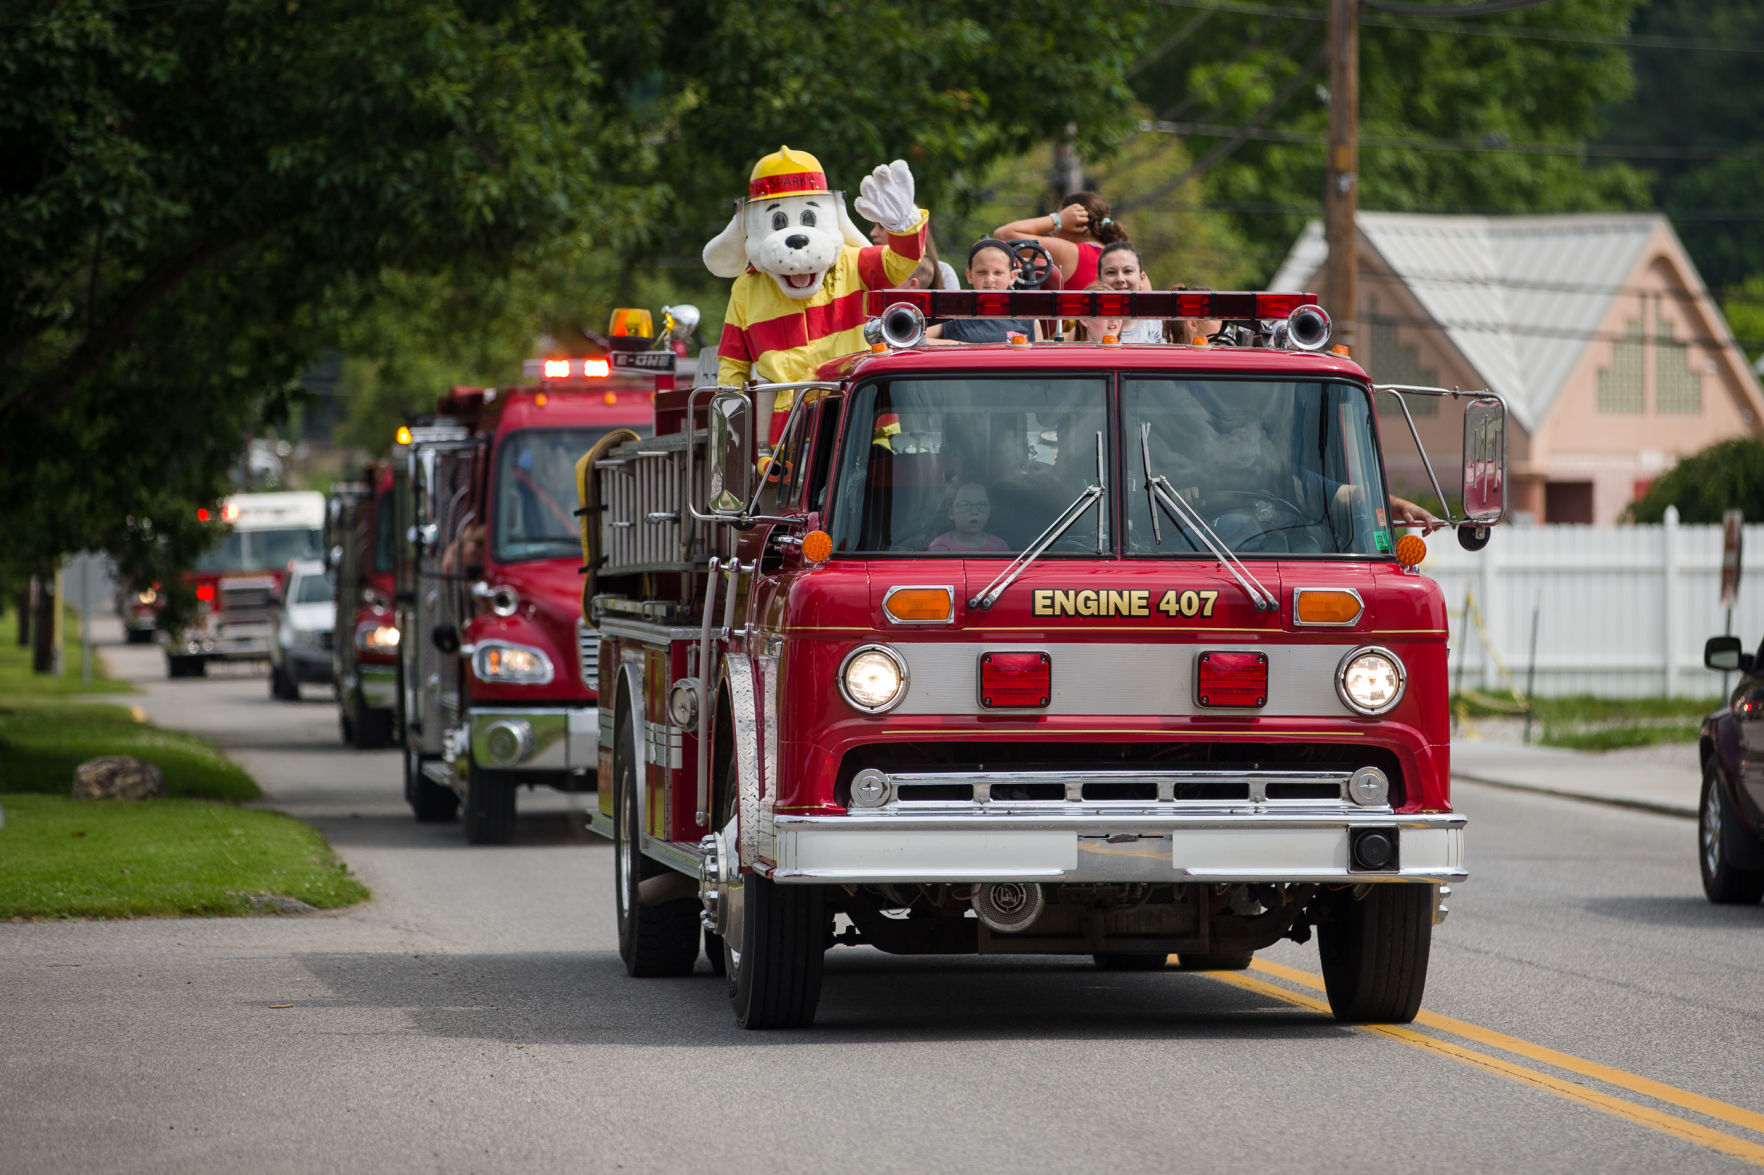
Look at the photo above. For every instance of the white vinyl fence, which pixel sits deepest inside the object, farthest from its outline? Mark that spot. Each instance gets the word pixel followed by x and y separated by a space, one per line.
pixel 1622 611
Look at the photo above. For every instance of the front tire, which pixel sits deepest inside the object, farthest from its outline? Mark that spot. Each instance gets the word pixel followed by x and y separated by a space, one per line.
pixel 1723 883
pixel 1123 961
pixel 488 814
pixel 429 801
pixel 775 979
pixel 370 728
pixel 659 941
pixel 1374 953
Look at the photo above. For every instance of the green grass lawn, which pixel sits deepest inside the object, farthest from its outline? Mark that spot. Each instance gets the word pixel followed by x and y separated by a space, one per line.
pixel 63 858
pixel 42 740
pixel 1585 723
pixel 194 853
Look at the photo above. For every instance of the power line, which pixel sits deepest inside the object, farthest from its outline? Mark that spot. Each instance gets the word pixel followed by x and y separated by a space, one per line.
pixel 1634 41
pixel 1495 144
pixel 1452 11
pixel 1285 53
pixel 1238 137
pixel 1174 39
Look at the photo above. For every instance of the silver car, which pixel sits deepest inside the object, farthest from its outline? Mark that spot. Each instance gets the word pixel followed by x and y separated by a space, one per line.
pixel 301 631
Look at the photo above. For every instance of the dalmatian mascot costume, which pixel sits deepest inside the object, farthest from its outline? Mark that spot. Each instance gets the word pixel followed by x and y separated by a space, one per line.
pixel 801 269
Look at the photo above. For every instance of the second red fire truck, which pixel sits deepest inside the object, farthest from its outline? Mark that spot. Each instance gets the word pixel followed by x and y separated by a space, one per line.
pixel 498 673
pixel 1070 648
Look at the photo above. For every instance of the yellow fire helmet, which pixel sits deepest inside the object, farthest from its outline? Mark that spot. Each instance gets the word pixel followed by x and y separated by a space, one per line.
pixel 786 173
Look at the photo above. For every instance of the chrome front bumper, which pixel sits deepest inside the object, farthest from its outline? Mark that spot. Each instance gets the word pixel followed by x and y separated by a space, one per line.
pixel 1166 839
pixel 565 740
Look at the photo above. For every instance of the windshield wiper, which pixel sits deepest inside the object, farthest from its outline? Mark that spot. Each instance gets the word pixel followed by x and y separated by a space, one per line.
pixel 1160 492
pixel 1091 495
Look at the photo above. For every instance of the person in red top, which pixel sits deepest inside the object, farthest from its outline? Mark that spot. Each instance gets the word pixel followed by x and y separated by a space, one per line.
pixel 1074 236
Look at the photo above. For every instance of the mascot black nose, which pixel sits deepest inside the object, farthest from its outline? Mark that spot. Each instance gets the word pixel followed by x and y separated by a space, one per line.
pixel 796 241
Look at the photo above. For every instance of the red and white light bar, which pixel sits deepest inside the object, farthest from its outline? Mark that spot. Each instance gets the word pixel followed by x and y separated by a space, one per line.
pixel 1231 307
pixel 566 369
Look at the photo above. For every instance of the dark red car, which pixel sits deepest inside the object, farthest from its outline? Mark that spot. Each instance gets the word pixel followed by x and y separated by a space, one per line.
pixel 1730 817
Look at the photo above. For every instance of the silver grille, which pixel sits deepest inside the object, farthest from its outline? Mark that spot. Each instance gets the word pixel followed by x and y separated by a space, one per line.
pixel 588 654
pixel 245 599
pixel 1004 791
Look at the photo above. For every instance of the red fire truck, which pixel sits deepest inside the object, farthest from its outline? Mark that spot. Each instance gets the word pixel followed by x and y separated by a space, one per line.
pixel 359 548
pixel 1071 648
pixel 498 672
pixel 235 579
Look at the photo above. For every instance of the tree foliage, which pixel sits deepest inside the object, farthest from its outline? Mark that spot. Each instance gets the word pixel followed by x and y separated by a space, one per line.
pixel 1698 98
pixel 199 198
pixel 1727 475
pixel 1442 103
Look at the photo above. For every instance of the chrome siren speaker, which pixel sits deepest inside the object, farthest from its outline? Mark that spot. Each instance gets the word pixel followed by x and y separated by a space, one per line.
pixel 1009 906
pixel 902 326
pixel 1308 328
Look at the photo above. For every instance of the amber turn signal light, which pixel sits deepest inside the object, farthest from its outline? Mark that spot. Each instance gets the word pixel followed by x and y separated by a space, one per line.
pixel 920 605
pixel 1337 606
pixel 1411 549
pixel 816 546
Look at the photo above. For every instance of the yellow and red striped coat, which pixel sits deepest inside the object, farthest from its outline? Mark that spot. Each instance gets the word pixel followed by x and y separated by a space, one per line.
pixel 776 339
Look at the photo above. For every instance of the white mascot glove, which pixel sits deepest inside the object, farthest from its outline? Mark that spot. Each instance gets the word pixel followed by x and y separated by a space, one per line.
pixel 886 198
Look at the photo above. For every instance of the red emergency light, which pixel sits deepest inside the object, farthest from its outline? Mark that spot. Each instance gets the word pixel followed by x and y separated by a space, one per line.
pixel 1231 307
pixel 201 514
pixel 576 368
pixel 205 592
pixel 1015 679
pixel 1231 679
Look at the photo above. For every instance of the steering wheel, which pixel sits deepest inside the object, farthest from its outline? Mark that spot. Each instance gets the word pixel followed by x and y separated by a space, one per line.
pixel 1034 264
pixel 1269 512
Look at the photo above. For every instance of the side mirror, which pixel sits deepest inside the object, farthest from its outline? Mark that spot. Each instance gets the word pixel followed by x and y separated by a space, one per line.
pixel 731 452
pixel 1724 653
pixel 445 638
pixel 1485 461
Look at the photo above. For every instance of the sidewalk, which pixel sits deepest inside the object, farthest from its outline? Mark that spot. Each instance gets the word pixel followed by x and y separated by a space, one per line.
pixel 1665 779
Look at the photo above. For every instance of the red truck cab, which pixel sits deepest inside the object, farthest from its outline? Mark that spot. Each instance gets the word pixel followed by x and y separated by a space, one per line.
pixel 499 671
pixel 360 546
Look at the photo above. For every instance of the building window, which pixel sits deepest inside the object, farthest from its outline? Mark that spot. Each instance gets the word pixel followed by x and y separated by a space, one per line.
pixel 1678 388
pixel 1391 361
pixel 1620 385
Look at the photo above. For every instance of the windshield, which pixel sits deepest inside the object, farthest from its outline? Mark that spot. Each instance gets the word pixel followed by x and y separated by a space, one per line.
pixel 260 550
pixel 1275 468
pixel 969 467
pixel 536 493
pixel 312 589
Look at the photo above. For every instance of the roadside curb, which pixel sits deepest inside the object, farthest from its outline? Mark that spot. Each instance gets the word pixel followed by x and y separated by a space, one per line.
pixel 1658 807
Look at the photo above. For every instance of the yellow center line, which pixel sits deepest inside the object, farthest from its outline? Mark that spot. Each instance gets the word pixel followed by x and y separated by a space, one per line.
pixel 1705 1136
pixel 1670 1094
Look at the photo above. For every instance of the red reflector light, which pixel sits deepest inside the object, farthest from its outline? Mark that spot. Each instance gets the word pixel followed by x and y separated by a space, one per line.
pixel 1015 679
pixel 1114 305
pixel 1278 305
pixel 1232 679
pixel 205 592
pixel 993 302
pixel 1074 304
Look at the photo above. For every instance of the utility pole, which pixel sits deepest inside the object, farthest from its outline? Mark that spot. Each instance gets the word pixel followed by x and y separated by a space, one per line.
pixel 1341 194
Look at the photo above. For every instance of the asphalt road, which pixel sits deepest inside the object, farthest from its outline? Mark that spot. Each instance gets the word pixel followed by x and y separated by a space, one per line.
pixel 1587 1011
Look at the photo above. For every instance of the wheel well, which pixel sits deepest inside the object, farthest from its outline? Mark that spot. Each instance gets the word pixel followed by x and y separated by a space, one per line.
pixel 722 746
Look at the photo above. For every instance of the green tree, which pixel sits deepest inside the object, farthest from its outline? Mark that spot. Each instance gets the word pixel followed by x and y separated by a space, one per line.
pixel 1445 109
pixel 1727 475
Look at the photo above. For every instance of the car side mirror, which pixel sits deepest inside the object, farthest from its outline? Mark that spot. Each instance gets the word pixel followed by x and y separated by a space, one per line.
pixel 731 452
pixel 1725 654
pixel 1485 461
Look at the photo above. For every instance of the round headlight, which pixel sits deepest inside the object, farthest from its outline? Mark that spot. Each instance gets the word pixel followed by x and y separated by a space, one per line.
pixel 873 678
pixel 1370 681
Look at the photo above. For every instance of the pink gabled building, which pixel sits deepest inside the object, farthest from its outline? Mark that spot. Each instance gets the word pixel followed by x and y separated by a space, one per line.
pixel 1596 328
